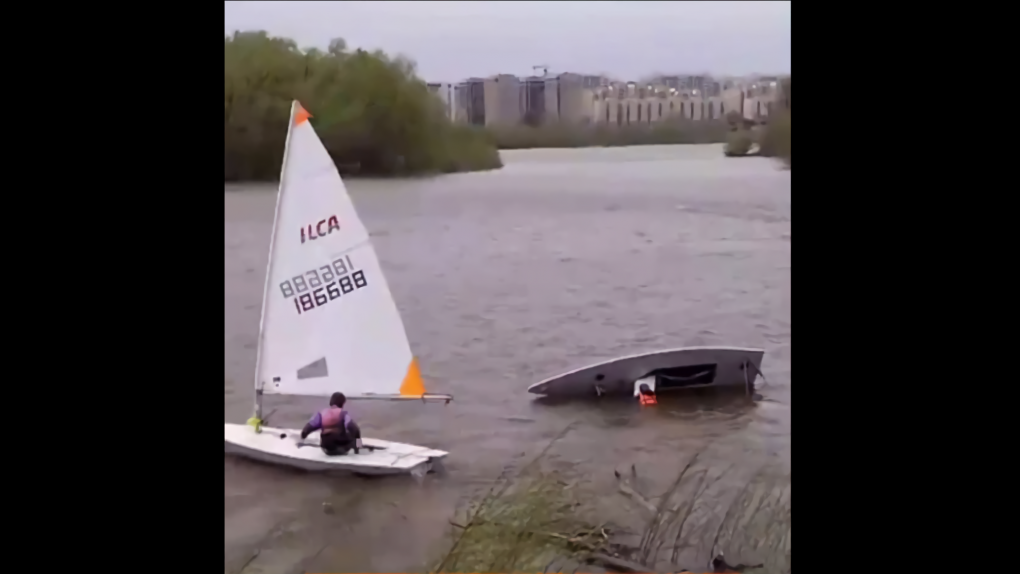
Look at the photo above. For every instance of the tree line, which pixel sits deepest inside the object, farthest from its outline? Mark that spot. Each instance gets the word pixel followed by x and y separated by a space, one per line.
pixel 373 114
pixel 376 117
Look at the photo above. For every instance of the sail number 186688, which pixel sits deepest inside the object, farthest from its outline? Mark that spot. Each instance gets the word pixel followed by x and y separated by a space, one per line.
pixel 319 286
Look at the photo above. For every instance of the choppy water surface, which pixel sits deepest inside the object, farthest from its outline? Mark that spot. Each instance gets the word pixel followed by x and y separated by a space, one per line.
pixel 562 258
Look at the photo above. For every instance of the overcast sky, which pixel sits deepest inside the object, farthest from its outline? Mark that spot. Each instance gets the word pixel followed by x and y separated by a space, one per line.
pixel 627 40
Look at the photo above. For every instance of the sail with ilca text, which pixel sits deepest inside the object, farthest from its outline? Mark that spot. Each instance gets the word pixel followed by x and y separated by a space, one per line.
pixel 329 322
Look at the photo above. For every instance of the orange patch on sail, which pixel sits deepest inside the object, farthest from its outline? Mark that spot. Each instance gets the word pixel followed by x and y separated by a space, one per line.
pixel 412 384
pixel 301 115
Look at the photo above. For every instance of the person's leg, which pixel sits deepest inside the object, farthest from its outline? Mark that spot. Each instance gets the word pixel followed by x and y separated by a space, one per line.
pixel 332 445
pixel 354 433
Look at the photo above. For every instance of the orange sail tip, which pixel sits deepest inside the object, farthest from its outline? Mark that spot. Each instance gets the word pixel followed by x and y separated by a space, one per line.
pixel 301 115
pixel 412 384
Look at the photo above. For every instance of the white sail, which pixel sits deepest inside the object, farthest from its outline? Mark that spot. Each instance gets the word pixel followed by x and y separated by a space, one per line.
pixel 329 322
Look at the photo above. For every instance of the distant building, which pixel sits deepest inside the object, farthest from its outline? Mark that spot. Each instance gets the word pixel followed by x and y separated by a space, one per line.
pixel 533 100
pixel 503 100
pixel 508 100
pixel 669 81
pixel 578 99
pixel 632 103
pixel 460 102
pixel 754 98
pixel 574 102
pixel 445 93
pixel 469 102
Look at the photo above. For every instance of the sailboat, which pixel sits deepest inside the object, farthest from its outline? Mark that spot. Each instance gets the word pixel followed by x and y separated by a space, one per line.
pixel 329 323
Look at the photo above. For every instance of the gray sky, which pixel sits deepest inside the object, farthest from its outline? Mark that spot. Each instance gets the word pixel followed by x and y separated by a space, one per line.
pixel 451 41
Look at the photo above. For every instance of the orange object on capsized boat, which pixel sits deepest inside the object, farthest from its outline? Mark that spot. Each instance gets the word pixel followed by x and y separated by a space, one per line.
pixel 648 399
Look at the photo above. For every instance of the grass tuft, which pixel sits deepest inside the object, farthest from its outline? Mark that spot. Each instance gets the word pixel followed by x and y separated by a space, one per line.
pixel 538 521
pixel 533 524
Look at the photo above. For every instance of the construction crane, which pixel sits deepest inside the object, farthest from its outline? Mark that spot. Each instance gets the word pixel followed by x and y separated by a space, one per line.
pixel 543 67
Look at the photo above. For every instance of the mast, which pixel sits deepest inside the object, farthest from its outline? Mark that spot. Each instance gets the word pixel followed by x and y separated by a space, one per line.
pixel 269 271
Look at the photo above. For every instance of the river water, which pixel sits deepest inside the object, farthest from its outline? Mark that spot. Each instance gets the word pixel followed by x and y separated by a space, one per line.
pixel 558 260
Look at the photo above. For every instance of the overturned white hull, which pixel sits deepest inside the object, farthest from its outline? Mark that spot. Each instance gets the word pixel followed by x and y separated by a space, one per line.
pixel 284 447
pixel 671 370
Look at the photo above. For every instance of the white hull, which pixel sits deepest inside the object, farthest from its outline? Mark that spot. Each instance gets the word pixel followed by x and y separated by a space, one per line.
pixel 719 367
pixel 268 446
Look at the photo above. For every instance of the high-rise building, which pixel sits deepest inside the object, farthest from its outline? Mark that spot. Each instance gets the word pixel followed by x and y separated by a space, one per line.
pixel 470 101
pixel 577 98
pixel 502 100
pixel 754 98
pixel 573 101
pixel 445 93
pixel 460 102
pixel 533 100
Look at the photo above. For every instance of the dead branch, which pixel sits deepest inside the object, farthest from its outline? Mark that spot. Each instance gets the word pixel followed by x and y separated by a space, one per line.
pixel 625 488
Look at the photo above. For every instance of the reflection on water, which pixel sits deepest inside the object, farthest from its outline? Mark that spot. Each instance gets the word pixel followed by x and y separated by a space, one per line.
pixel 561 259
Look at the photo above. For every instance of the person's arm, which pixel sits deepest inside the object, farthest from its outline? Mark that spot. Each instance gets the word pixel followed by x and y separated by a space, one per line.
pixel 353 430
pixel 313 425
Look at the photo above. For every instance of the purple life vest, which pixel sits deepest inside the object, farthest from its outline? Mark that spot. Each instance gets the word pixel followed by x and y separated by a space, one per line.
pixel 334 419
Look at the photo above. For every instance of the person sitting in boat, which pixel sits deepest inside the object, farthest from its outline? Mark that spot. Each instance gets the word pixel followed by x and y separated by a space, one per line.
pixel 338 431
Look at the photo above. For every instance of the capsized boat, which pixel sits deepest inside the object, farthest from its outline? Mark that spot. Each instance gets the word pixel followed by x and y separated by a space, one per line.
pixel 647 374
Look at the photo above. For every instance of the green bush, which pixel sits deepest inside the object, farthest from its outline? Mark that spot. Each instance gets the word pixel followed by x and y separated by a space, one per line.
pixel 372 113
pixel 738 143
pixel 775 140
